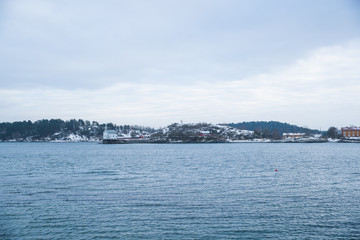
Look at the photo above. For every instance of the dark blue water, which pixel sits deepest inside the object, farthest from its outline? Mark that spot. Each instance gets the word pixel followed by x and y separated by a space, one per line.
pixel 179 191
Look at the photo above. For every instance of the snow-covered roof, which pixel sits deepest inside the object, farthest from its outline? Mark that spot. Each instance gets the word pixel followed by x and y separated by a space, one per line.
pixel 110 132
pixel 205 132
pixel 350 128
pixel 293 134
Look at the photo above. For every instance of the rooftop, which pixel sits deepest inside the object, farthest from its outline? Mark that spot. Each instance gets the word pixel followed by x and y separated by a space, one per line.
pixel 111 131
pixel 350 128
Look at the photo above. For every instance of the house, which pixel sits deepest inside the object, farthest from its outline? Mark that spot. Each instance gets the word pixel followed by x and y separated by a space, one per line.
pixel 204 133
pixel 293 135
pixel 350 132
pixel 109 134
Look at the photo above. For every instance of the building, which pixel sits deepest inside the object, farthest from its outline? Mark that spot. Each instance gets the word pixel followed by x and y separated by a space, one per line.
pixel 109 134
pixel 293 135
pixel 350 132
pixel 204 133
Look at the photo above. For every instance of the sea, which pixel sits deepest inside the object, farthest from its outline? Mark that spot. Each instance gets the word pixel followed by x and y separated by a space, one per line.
pixel 180 191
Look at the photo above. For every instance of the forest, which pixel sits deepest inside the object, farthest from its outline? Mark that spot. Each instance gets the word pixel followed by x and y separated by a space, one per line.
pixel 272 129
pixel 54 128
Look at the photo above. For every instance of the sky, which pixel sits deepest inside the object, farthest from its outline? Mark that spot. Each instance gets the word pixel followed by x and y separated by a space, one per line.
pixel 153 63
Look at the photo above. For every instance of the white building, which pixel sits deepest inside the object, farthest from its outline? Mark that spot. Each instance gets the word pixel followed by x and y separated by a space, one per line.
pixel 109 134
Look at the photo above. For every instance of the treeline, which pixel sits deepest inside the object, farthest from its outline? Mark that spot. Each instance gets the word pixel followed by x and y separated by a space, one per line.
pixel 272 129
pixel 57 128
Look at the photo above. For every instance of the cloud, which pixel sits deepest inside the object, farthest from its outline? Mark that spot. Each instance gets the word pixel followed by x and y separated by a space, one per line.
pixel 153 63
pixel 85 44
pixel 319 90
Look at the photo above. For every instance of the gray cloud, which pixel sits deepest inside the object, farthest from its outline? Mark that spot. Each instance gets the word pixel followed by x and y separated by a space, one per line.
pixel 84 44
pixel 316 91
pixel 153 63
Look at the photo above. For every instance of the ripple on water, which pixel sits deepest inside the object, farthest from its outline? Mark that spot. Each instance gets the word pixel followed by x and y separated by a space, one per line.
pixel 189 191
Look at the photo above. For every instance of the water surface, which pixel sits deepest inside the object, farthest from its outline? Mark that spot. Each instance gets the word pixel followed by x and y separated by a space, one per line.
pixel 179 191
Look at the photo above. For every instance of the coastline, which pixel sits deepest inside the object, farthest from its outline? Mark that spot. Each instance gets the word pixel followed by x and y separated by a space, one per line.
pixel 165 141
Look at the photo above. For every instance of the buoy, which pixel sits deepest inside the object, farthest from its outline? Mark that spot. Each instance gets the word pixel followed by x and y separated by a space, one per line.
pixel 275 170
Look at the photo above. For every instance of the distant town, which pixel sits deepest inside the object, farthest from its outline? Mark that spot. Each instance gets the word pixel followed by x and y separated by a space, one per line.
pixel 57 130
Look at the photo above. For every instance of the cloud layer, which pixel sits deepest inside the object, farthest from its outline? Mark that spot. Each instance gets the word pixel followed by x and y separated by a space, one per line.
pixel 157 62
pixel 319 90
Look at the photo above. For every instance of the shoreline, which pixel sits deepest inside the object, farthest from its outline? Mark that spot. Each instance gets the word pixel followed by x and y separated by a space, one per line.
pixel 185 142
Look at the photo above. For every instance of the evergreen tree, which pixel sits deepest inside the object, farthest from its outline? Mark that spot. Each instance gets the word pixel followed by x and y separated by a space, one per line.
pixel 332 132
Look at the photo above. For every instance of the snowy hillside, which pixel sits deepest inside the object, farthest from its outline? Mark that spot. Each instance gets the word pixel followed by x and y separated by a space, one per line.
pixel 57 130
pixel 200 132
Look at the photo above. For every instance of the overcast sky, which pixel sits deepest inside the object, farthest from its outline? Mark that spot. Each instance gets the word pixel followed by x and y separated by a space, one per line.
pixel 157 62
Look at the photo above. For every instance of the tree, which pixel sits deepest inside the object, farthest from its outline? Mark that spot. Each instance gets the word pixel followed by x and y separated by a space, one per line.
pixel 81 122
pixel 332 132
pixel 276 134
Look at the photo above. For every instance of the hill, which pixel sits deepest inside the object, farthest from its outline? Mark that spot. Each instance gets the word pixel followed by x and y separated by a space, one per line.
pixel 272 129
pixel 58 130
pixel 200 132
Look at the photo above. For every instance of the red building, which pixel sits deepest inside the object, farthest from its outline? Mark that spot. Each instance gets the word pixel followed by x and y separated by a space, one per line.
pixel 350 131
